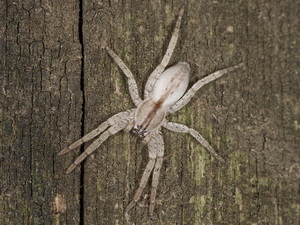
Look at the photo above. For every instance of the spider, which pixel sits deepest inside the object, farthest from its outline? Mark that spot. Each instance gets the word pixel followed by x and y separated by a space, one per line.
pixel 165 93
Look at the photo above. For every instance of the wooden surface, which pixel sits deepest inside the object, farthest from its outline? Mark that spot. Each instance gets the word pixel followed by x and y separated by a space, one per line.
pixel 57 84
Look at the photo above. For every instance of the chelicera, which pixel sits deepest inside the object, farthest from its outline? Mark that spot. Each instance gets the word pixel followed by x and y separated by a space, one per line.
pixel 165 93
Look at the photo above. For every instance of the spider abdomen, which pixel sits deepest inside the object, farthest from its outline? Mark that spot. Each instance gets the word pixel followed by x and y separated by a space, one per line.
pixel 171 85
pixel 167 90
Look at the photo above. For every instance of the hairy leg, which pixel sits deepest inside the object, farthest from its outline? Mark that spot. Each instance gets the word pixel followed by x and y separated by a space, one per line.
pixel 191 92
pixel 156 172
pixel 133 89
pixel 180 128
pixel 142 185
pixel 110 131
pixel 153 148
pixel 110 122
pixel 161 67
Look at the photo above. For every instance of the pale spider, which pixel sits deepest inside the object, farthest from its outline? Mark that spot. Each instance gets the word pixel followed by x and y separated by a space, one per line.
pixel 164 94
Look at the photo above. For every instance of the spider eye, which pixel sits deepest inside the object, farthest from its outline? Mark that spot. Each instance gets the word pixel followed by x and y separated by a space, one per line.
pixel 139 131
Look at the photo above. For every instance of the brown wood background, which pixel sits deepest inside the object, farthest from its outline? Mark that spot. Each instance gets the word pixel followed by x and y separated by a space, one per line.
pixel 57 84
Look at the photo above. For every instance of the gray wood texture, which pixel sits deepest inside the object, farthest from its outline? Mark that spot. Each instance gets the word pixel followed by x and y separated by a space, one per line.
pixel 56 84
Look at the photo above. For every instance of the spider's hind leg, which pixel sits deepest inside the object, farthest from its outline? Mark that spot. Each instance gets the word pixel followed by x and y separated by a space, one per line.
pixel 166 59
pixel 199 84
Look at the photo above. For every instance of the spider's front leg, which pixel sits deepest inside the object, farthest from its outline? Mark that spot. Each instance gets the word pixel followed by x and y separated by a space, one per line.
pixel 156 153
pixel 115 123
pixel 180 128
pixel 156 172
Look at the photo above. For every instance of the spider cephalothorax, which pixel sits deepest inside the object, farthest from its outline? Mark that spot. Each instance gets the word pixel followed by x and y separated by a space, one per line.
pixel 139 131
pixel 165 93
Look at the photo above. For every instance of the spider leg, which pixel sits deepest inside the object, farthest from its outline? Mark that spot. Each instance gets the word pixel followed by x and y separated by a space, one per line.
pixel 156 172
pixel 191 92
pixel 111 121
pixel 110 131
pixel 153 146
pixel 180 128
pixel 142 185
pixel 161 67
pixel 133 89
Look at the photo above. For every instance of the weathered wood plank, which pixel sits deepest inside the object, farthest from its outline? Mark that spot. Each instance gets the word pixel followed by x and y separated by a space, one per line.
pixel 250 117
pixel 40 110
pixel 241 115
